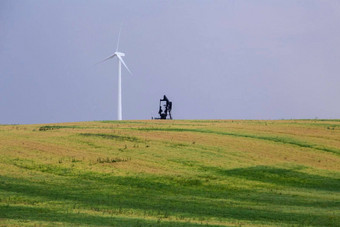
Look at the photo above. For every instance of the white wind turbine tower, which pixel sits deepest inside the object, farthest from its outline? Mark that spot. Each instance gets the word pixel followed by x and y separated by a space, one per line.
pixel 119 55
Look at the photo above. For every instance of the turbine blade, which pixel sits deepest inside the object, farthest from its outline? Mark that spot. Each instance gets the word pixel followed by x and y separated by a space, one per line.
pixel 106 59
pixel 118 38
pixel 122 61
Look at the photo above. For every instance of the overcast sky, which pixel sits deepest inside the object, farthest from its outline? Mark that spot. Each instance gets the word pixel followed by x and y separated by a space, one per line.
pixel 214 59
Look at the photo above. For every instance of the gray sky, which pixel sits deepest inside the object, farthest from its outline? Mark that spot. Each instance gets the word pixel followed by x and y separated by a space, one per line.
pixel 225 59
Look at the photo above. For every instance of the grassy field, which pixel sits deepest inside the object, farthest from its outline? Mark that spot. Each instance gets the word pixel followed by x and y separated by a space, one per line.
pixel 171 173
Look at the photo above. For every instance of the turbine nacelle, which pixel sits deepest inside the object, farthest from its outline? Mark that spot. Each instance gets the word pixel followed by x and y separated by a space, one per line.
pixel 119 53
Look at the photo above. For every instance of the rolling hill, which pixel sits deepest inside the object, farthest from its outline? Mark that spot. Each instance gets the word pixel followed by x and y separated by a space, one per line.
pixel 171 173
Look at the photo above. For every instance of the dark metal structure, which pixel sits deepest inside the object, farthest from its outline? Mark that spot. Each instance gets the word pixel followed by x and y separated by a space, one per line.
pixel 165 112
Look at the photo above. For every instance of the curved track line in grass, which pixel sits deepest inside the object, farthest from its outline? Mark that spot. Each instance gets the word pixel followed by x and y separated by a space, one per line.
pixel 284 140
pixel 27 213
pixel 111 136
pixel 280 176
pixel 55 127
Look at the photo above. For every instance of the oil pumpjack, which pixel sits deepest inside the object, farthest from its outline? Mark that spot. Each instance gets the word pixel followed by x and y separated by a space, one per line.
pixel 166 112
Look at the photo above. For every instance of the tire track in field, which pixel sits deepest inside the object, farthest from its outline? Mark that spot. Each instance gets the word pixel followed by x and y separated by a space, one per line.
pixel 284 140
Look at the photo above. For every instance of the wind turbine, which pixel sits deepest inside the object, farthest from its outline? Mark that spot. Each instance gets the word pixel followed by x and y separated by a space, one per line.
pixel 119 55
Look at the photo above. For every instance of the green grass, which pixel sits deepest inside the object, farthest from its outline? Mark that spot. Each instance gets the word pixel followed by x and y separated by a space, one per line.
pixel 171 173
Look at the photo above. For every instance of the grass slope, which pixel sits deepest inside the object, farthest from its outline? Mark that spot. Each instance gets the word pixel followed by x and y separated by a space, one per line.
pixel 171 173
